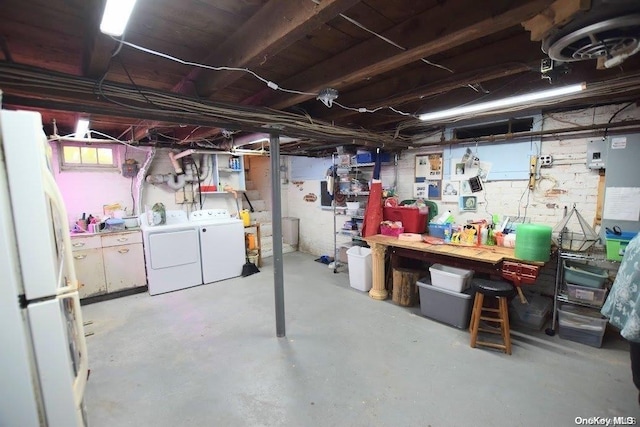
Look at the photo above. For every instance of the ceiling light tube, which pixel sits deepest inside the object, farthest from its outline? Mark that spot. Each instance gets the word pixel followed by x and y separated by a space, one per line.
pixel 82 127
pixel 115 17
pixel 505 102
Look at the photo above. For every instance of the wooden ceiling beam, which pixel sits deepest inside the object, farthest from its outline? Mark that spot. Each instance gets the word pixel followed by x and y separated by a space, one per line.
pixel 273 28
pixel 97 46
pixel 476 66
pixel 373 56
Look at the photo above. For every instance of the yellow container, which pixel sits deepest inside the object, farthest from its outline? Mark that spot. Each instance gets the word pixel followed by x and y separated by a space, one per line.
pixel 246 219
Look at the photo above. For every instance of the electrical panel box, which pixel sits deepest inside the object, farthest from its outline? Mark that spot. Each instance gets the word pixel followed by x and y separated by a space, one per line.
pixel 596 153
pixel 129 170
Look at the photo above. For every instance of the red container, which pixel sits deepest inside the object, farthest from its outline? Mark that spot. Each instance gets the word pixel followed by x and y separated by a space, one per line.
pixel 414 220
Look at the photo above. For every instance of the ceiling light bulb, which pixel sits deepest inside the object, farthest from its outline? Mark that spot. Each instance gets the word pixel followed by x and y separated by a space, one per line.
pixel 505 102
pixel 115 17
pixel 82 127
pixel 327 95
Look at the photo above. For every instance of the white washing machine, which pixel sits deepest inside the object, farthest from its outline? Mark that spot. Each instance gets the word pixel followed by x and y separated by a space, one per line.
pixel 172 253
pixel 222 248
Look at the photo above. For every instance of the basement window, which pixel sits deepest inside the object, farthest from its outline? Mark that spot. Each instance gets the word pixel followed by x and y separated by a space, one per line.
pixel 512 126
pixel 78 156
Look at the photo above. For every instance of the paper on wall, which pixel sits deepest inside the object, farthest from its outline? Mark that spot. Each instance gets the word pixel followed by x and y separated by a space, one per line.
pixel 622 204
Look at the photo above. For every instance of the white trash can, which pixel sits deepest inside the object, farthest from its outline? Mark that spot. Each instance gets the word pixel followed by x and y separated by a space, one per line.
pixel 359 268
pixel 290 230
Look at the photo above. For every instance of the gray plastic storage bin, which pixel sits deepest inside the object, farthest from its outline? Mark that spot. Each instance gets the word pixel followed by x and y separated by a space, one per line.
pixel 453 308
pixel 534 314
pixel 582 325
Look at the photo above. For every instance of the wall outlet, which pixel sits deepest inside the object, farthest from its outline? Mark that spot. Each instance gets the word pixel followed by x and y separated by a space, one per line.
pixel 545 161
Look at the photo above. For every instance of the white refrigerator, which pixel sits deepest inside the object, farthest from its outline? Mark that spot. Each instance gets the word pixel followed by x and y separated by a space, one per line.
pixel 43 354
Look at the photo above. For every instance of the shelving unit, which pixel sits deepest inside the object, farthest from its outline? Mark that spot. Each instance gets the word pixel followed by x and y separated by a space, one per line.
pixel 560 290
pixel 361 171
pixel 256 225
pixel 223 174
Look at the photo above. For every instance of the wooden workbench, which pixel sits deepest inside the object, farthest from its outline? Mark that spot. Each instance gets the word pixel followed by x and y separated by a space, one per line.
pixel 486 259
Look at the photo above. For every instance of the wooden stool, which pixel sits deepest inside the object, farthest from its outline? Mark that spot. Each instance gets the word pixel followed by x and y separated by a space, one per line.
pixel 490 288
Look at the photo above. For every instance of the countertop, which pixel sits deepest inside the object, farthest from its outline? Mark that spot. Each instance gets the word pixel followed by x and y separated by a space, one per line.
pixel 104 233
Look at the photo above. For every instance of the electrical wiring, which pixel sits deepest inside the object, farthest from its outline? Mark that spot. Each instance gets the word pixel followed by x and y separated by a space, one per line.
pixel 385 39
pixel 269 83
pixel 118 141
pixel 606 130
pixel 236 116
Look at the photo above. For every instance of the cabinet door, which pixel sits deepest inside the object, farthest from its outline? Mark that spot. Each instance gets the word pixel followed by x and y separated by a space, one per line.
pixel 90 272
pixel 124 267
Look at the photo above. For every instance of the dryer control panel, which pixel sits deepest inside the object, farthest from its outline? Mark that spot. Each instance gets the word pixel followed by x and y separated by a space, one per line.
pixel 209 214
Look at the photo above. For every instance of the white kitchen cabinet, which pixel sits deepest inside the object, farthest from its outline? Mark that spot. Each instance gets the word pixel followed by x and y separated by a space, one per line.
pixel 124 267
pixel 108 262
pixel 87 258
pixel 90 272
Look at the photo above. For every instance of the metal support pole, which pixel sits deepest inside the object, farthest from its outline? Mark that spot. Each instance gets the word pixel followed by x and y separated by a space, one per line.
pixel 276 222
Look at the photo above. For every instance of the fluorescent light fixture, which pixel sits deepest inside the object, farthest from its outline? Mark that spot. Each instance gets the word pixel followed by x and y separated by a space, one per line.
pixel 115 17
pixel 82 127
pixel 505 102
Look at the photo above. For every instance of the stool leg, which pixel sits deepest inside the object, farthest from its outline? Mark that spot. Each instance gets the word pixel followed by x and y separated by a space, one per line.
pixel 506 331
pixel 475 318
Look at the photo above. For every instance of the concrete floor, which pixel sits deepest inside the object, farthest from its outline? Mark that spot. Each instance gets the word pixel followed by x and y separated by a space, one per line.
pixel 209 356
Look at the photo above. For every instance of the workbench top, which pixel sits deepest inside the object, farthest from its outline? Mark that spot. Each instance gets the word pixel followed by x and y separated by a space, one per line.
pixel 483 253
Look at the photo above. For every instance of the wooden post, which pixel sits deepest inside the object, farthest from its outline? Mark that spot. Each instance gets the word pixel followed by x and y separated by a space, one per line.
pixel 405 290
pixel 378 290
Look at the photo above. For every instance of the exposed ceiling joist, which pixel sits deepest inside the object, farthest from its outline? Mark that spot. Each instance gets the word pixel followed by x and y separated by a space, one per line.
pixel 426 81
pixel 374 57
pixel 97 48
pixel 273 28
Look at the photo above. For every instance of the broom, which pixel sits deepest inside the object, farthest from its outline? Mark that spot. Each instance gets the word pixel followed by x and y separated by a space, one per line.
pixel 248 268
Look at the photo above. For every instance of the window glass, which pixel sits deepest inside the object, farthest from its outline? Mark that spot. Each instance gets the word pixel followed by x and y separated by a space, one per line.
pixel 105 156
pixel 71 154
pixel 79 156
pixel 89 155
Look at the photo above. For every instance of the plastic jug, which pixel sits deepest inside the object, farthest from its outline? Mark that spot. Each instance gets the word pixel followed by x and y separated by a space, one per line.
pixel 246 219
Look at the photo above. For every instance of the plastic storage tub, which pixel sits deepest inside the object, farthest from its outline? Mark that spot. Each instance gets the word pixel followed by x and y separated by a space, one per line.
pixel 581 325
pixel 586 294
pixel 532 315
pixel 584 275
pixel 437 230
pixel 450 278
pixel 414 219
pixel 616 245
pixel 452 308
pixel 359 268
pixel 115 224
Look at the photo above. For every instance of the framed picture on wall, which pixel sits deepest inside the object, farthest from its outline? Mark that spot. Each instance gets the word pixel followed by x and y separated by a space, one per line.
pixel 434 190
pixel 428 167
pixel 450 191
pixel 468 203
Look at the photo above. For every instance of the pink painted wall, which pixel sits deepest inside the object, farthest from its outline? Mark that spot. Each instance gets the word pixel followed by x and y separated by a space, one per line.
pixel 87 191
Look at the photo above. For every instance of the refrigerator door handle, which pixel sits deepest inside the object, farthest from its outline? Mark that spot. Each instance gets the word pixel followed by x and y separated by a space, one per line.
pixel 53 192
pixel 83 369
